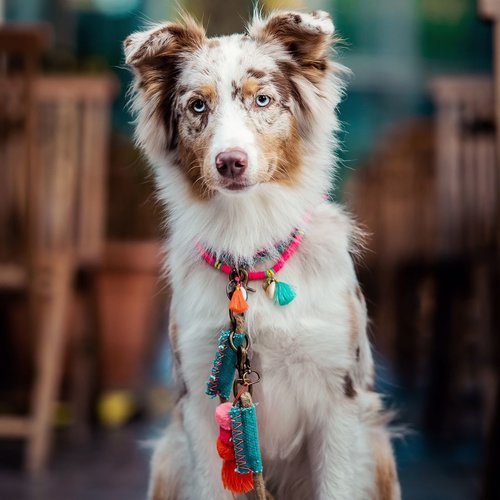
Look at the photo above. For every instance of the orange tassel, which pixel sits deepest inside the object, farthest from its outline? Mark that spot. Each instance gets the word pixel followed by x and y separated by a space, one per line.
pixel 226 451
pixel 233 481
pixel 238 303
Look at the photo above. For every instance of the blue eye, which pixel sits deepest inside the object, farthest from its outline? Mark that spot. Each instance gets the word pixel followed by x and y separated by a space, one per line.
pixel 262 100
pixel 199 106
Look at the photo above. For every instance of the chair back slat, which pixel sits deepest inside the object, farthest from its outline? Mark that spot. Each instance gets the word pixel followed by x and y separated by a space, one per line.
pixel 467 175
pixel 71 141
pixel 20 52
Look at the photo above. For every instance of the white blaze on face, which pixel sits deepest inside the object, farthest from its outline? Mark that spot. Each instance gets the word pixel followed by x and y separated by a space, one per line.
pixel 231 127
pixel 233 122
pixel 232 131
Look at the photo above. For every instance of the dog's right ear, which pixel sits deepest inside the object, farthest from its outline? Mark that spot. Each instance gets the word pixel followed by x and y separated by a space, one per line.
pixel 145 48
pixel 156 56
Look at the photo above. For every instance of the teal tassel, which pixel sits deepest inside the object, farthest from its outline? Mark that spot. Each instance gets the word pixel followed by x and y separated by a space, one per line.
pixel 284 293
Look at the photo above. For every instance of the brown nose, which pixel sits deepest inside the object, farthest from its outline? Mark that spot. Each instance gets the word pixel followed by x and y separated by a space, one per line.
pixel 231 163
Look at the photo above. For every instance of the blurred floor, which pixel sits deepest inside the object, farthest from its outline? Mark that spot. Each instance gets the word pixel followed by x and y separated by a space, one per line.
pixel 429 468
pixel 114 465
pixel 438 473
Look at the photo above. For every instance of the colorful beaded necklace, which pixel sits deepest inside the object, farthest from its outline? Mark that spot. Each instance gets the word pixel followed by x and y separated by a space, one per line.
pixel 282 293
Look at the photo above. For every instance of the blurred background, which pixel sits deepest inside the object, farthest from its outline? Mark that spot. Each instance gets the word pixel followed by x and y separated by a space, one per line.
pixel 84 360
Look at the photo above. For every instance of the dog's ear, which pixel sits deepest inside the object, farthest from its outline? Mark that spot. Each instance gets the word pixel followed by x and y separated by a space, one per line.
pixel 169 40
pixel 156 56
pixel 306 37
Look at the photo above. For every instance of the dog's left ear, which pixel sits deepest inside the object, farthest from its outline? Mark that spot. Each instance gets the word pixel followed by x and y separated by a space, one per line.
pixel 306 37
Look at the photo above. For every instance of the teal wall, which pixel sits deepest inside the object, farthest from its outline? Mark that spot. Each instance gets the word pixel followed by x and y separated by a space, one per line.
pixel 392 46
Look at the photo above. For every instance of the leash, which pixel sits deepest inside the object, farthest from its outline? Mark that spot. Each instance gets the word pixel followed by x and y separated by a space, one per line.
pixel 238 440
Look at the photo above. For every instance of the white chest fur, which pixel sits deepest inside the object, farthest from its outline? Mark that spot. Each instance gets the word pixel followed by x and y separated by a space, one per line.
pixel 302 350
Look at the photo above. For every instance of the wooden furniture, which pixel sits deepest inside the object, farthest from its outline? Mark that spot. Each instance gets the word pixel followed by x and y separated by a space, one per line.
pixel 467 179
pixel 468 202
pixel 490 9
pixel 53 152
pixel 20 52
pixel 429 196
pixel 393 196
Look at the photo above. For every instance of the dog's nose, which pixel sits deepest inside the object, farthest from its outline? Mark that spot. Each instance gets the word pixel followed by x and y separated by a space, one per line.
pixel 231 163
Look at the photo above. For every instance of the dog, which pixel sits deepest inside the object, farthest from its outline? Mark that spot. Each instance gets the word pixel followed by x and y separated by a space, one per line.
pixel 240 131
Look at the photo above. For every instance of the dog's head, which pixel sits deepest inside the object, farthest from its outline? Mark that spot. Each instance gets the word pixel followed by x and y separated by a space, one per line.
pixel 234 113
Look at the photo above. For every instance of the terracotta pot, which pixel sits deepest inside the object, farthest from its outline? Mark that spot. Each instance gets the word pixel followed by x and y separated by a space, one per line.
pixel 127 299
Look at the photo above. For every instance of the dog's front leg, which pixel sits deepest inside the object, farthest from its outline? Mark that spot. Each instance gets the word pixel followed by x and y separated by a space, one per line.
pixel 199 423
pixel 332 452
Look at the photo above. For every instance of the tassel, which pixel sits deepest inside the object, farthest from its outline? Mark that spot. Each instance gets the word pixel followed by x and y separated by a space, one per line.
pixel 235 482
pixel 238 304
pixel 225 450
pixel 231 479
pixel 284 293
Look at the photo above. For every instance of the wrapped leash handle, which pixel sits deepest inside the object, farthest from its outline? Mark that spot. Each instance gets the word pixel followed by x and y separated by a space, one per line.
pixel 259 492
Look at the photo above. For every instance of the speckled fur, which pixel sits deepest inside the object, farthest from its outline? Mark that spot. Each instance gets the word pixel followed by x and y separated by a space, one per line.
pixel 322 427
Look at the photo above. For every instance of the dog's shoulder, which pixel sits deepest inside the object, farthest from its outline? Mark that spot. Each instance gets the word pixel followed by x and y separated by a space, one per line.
pixel 334 235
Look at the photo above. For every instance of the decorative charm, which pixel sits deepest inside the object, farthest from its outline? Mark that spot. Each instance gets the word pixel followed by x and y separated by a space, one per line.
pixel 281 293
pixel 284 293
pixel 278 291
pixel 233 283
pixel 270 288
pixel 220 382
pixel 238 442
pixel 246 437
pixel 232 478
pixel 238 304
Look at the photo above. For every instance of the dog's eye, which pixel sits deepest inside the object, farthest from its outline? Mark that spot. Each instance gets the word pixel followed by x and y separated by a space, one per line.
pixel 262 100
pixel 199 106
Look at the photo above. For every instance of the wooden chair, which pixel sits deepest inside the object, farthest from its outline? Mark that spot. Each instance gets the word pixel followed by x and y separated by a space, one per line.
pixel 467 178
pixel 53 150
pixel 20 51
pixel 490 9
pixel 393 197
pixel 430 197
pixel 468 205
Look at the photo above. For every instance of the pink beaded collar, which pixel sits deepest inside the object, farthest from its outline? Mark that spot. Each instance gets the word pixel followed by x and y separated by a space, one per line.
pixel 211 260
pixel 281 293
pixel 287 253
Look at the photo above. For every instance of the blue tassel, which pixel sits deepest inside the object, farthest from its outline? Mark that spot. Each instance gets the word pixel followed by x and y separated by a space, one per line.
pixel 284 293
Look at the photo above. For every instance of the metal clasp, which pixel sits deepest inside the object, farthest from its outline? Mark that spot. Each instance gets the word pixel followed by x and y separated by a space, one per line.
pixel 246 381
pixel 236 276
pixel 233 346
